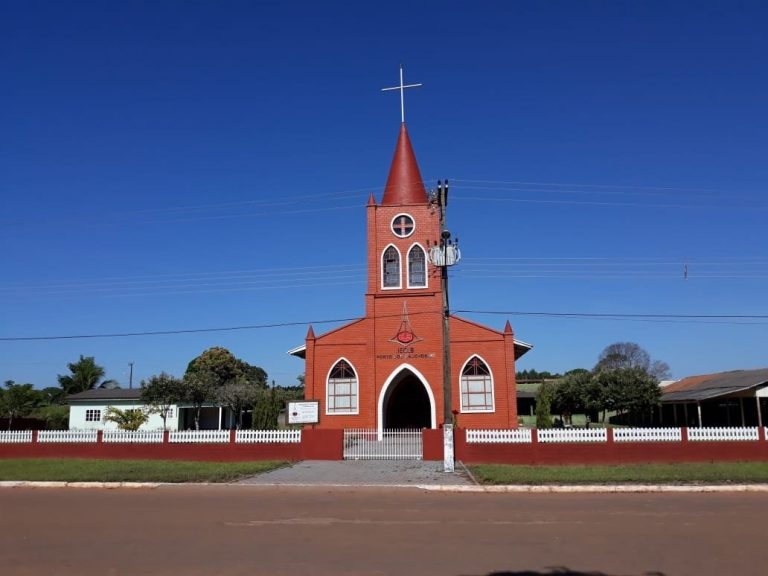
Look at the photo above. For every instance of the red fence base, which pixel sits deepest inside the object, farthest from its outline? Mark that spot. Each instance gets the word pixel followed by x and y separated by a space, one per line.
pixel 314 445
pixel 196 452
pixel 432 444
pixel 328 445
pixel 610 452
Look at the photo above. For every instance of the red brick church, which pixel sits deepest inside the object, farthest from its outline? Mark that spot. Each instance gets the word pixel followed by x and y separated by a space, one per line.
pixel 385 370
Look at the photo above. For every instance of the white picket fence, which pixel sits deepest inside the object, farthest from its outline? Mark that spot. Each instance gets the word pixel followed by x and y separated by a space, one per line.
pixel 519 436
pixel 131 437
pixel 14 437
pixel 268 436
pixel 647 434
pixel 198 436
pixel 553 436
pixel 67 436
pixel 722 434
pixel 573 435
pixel 371 444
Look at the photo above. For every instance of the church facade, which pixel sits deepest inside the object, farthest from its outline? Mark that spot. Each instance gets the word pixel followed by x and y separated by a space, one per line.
pixel 385 370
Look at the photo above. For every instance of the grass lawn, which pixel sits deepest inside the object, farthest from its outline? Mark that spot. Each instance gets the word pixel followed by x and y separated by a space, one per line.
pixel 683 473
pixel 82 470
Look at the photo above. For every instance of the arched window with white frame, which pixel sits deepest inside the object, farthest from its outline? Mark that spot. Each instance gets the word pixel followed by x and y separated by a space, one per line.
pixel 342 389
pixel 390 268
pixel 476 386
pixel 417 267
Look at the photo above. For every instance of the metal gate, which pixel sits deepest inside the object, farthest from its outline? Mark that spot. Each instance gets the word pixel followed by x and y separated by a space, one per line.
pixel 373 444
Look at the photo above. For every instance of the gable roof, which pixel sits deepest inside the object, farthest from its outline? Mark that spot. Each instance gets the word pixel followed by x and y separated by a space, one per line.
pixel 706 386
pixel 520 346
pixel 98 394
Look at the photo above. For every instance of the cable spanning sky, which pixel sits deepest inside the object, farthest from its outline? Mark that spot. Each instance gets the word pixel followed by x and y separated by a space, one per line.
pixel 176 176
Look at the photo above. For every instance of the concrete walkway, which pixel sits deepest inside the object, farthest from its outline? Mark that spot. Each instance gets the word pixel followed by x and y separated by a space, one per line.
pixel 430 476
pixel 364 473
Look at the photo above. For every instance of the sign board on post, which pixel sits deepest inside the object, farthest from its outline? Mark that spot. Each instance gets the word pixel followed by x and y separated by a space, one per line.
pixel 304 412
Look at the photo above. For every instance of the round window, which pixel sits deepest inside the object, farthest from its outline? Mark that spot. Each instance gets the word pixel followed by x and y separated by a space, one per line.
pixel 402 225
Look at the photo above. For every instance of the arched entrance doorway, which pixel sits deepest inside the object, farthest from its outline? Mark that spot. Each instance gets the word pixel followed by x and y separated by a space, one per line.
pixel 406 403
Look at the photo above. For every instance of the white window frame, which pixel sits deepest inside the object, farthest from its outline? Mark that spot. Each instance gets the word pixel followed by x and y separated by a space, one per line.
pixel 392 225
pixel 399 268
pixel 469 409
pixel 426 266
pixel 355 396
pixel 93 414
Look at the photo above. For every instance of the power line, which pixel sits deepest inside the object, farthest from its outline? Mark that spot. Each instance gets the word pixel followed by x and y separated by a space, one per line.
pixel 359 194
pixel 578 315
pixel 574 268
pixel 598 186
pixel 186 213
pixel 620 315
pixel 169 332
pixel 727 205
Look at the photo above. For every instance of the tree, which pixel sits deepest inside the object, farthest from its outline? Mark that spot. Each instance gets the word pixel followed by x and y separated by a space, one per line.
pixel 198 390
pixel 628 355
pixel 628 390
pixel 267 408
pixel 85 375
pixel 544 404
pixel 253 374
pixel 577 393
pixel 161 392
pixel 17 400
pixel 533 374
pixel 218 375
pixel 52 396
pixel 129 419
pixel 56 417
pixel 219 366
pixel 238 395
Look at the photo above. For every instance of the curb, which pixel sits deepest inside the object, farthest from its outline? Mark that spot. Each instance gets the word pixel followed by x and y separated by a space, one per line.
pixel 510 489
pixel 603 489
pixel 107 485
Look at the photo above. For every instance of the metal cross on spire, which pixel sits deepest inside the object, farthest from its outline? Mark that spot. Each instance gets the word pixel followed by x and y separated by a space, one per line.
pixel 402 88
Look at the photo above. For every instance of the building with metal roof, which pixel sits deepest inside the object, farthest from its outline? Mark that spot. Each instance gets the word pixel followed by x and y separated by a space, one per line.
pixel 735 398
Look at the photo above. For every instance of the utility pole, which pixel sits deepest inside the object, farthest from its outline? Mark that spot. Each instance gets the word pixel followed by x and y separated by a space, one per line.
pixel 130 376
pixel 445 253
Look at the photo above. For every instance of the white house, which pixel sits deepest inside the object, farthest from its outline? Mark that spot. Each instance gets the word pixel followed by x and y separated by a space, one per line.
pixel 87 410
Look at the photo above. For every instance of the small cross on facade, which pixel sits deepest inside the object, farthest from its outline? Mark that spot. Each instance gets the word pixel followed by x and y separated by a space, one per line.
pixel 404 226
pixel 402 88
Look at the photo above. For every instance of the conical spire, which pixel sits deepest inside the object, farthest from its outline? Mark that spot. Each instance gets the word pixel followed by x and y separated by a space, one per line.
pixel 404 184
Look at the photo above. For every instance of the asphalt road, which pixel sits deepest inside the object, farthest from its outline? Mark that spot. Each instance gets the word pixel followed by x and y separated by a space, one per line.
pixel 254 530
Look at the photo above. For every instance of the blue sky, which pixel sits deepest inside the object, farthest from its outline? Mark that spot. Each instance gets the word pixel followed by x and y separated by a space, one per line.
pixel 172 166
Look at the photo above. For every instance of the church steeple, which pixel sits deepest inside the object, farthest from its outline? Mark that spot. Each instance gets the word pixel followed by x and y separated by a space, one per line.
pixel 404 184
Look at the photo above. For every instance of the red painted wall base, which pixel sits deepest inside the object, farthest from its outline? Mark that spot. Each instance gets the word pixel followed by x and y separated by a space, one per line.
pixel 328 445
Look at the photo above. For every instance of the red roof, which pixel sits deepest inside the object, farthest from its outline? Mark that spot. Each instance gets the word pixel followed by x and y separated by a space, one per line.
pixel 689 382
pixel 708 386
pixel 404 184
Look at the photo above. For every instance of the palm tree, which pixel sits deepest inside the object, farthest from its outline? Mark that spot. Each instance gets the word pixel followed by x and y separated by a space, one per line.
pixel 129 419
pixel 86 375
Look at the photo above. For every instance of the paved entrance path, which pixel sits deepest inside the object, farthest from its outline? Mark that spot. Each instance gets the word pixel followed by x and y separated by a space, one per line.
pixel 363 473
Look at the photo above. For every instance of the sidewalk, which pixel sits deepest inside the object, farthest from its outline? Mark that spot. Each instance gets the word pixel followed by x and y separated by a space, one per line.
pixel 424 475
pixel 430 476
pixel 363 473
